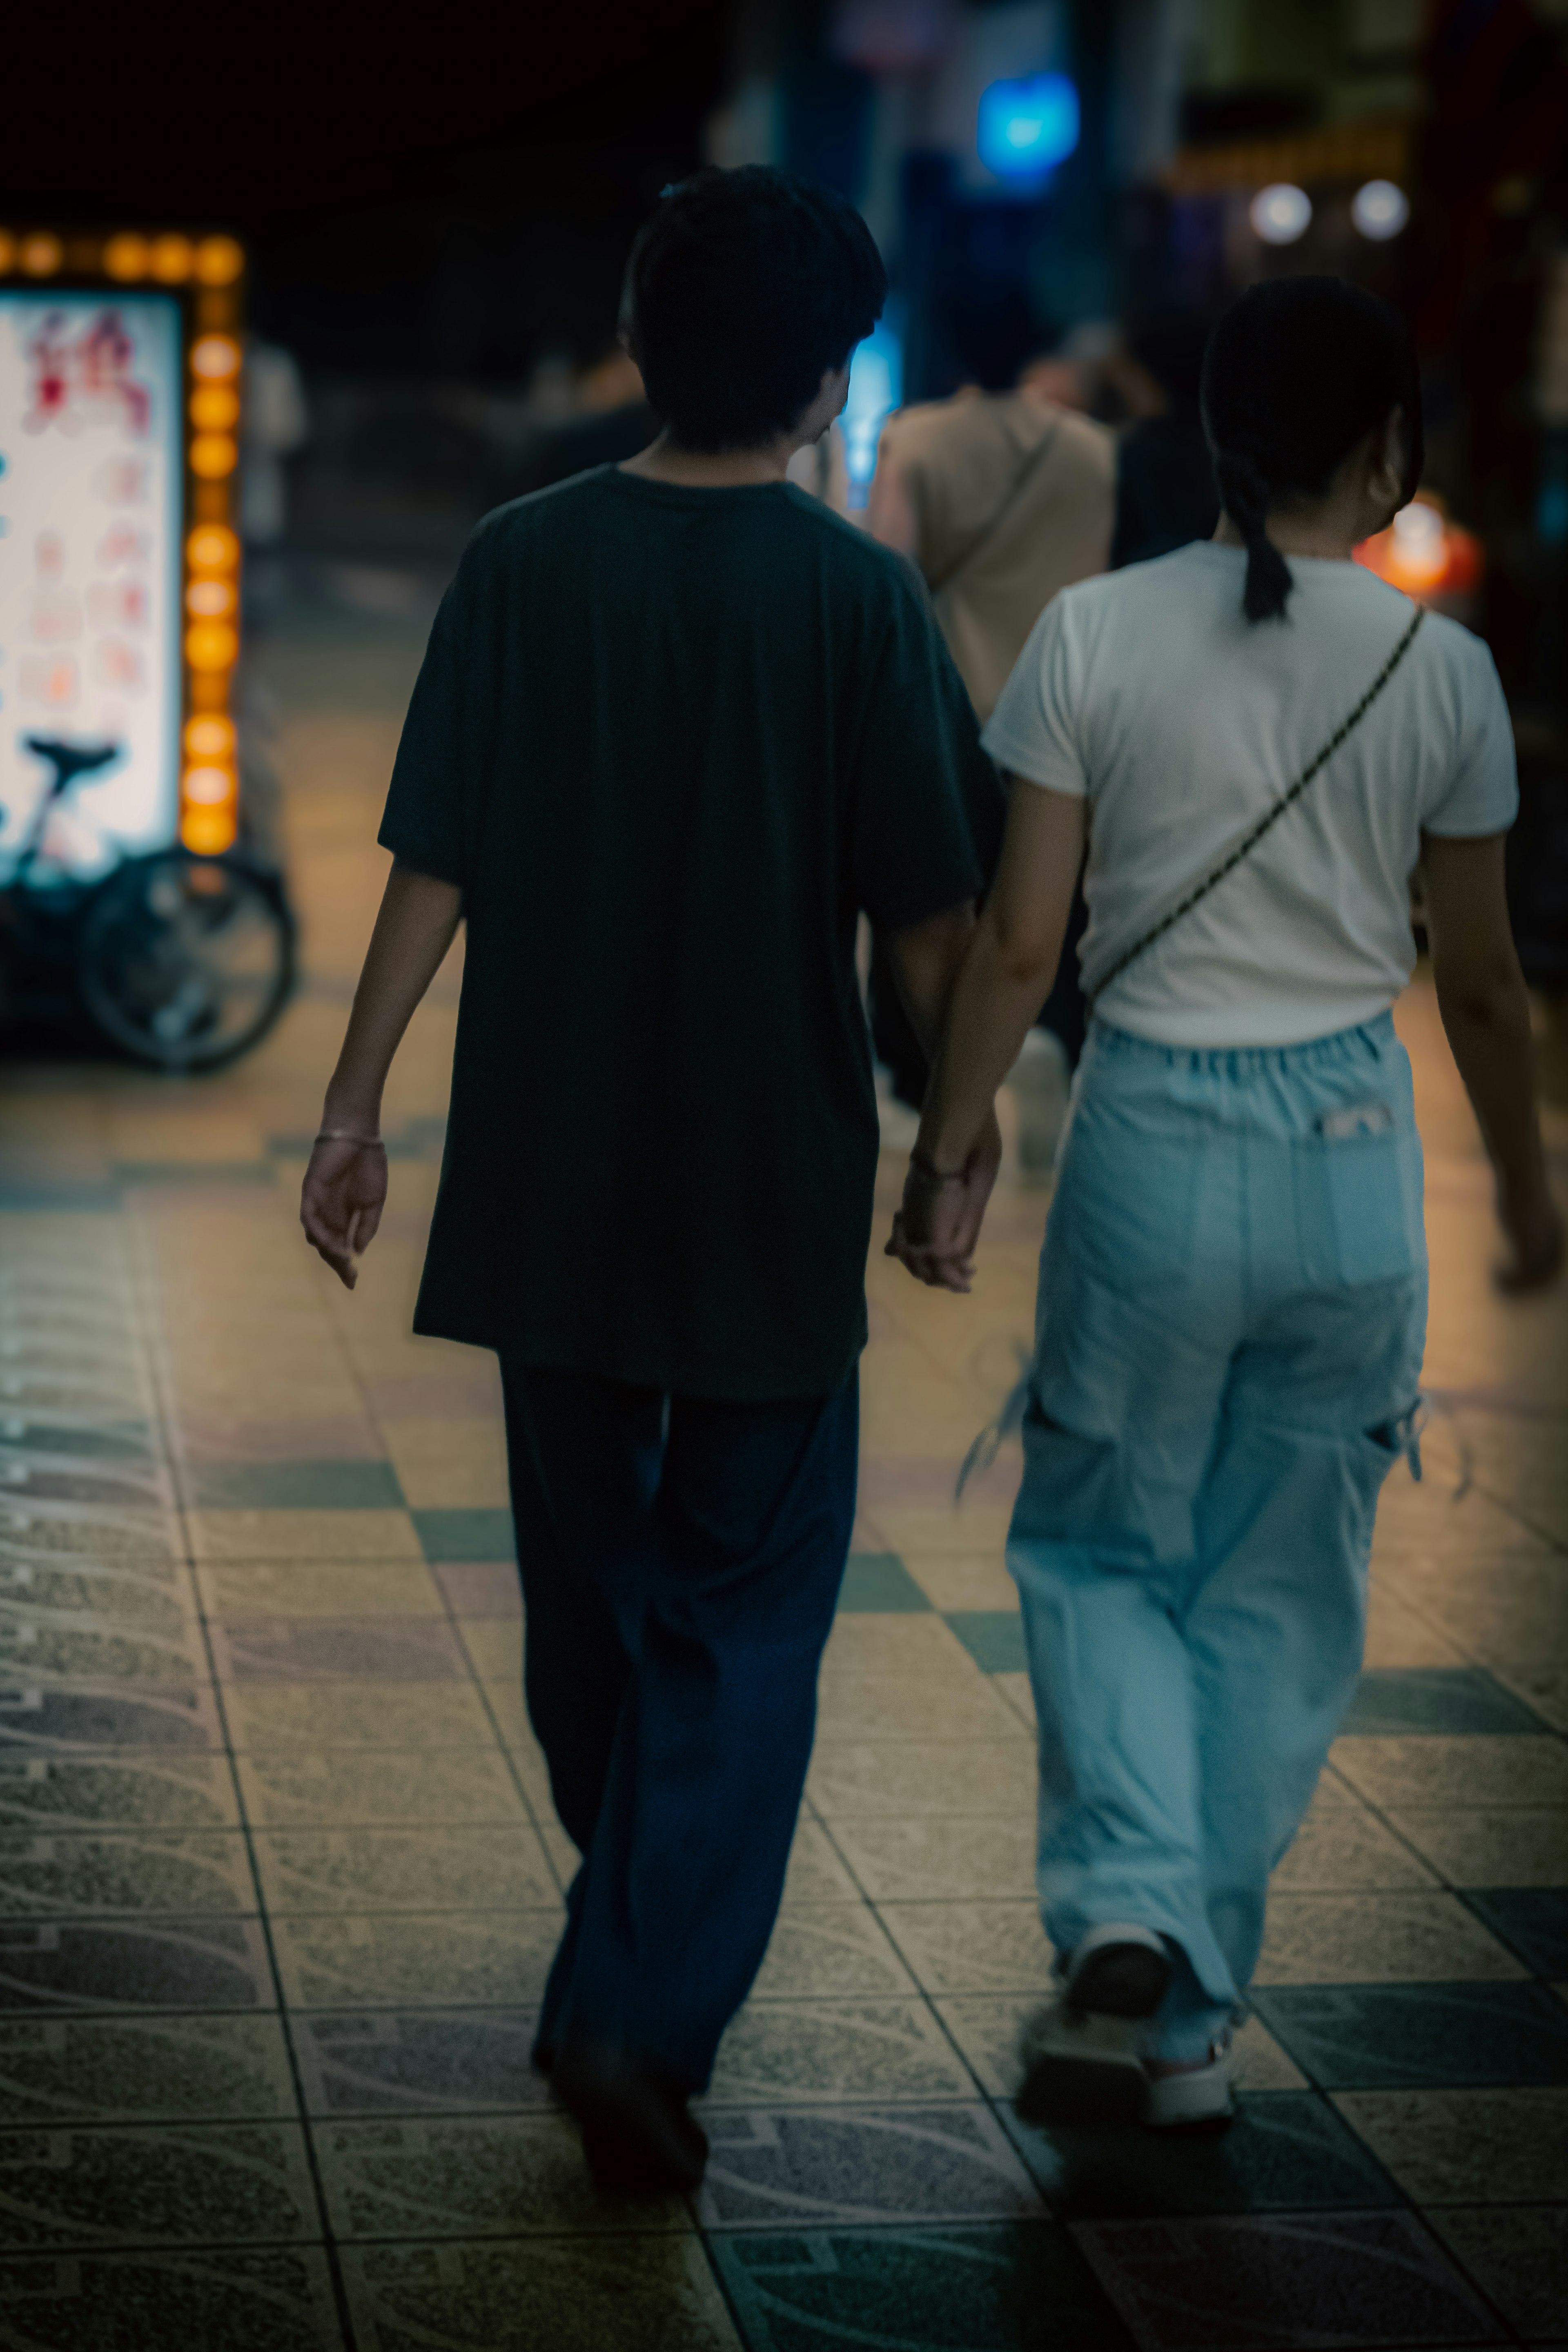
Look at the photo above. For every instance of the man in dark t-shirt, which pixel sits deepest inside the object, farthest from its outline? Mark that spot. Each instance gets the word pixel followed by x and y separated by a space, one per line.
pixel 677 727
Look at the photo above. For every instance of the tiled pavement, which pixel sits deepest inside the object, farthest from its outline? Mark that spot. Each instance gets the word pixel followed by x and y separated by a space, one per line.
pixel 279 1877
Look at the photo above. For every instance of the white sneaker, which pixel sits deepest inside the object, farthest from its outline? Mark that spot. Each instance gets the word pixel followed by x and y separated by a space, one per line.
pixel 1197 2099
pixel 1083 2053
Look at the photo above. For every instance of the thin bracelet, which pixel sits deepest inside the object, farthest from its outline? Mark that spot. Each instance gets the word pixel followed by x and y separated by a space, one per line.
pixel 927 1168
pixel 342 1135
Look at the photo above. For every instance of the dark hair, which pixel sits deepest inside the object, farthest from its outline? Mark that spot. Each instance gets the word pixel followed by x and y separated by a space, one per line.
pixel 1295 373
pixel 742 290
pixel 995 333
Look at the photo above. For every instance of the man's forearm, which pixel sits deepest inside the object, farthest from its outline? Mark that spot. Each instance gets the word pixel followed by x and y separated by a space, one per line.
pixel 413 928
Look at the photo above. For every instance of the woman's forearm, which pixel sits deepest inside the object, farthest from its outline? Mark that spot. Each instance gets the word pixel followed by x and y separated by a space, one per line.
pixel 1492 1047
pixel 413 928
pixel 994 1003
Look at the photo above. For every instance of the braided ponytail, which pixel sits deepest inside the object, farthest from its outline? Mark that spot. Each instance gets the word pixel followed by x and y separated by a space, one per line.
pixel 1295 374
pixel 1244 493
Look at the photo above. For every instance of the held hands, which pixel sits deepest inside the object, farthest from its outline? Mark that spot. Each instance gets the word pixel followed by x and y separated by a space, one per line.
pixel 342 1200
pixel 935 1232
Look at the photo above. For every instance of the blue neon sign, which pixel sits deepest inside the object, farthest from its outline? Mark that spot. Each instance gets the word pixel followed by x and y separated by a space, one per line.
pixel 1027 126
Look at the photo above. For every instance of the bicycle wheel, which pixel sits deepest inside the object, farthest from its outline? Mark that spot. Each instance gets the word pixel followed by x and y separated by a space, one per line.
pixel 185 962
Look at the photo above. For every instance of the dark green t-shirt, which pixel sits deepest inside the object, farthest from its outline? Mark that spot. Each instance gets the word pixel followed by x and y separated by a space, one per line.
pixel 669 742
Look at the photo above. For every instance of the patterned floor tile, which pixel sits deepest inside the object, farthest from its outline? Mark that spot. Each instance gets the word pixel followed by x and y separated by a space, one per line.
pixel 1014 2287
pixel 1362 2280
pixel 37 1648
pixel 151 1596
pixel 303 1534
pixel 992 1637
pixel 407 1961
pixel 180 1870
pixel 1367 2037
pixel 123 1536
pixel 970 1948
pixel 981 1583
pixel 1477 1771
pixel 1490 1846
pixel 1454 1700
pixel 1517 2255
pixel 581 2293
pixel 471 2176
pixel 1532 1920
pixel 906 2166
pixel 467 1534
pixel 82 2185
pixel 1398 1635
pixel 84 1792
pixel 480 1588
pixel 830 1951
pixel 1018 1692
pixel 143 2070
pixel 847 1780
pixel 332 1649
pixel 364 1870
pixel 295 1486
pixel 233 1592
pixel 494 1645
pixel 1287 2152
pixel 1342 1845
pixel 230 2299
pixel 879 1582
pixel 1377 1939
pixel 1467 2147
pixel 269 1717
pixel 450 1463
pixel 816 1872
pixel 891 1705
pixel 178 1963
pixel 940 1859
pixel 39 1718
pixel 822 2052
pixel 301 1789
pixel 379 2062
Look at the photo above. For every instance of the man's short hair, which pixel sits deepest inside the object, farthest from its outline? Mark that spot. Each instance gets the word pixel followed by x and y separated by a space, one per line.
pixel 743 291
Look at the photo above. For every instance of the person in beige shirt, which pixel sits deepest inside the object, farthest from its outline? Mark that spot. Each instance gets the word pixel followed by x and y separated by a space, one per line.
pixel 1001 495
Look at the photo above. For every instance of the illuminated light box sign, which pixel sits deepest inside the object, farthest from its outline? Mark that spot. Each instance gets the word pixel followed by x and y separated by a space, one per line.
pixel 118 567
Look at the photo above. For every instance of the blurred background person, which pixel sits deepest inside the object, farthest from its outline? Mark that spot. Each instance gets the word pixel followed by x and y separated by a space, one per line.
pixel 611 421
pixel 1165 494
pixel 1002 496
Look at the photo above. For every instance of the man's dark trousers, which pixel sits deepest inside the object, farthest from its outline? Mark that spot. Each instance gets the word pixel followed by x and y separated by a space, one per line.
pixel 680 1565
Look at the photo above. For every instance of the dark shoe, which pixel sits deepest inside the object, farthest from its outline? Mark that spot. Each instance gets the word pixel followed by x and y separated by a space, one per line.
pixel 637 2135
pixel 1083 2054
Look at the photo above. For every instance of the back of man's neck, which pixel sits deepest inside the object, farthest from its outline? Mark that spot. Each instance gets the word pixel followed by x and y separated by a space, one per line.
pixel 710 469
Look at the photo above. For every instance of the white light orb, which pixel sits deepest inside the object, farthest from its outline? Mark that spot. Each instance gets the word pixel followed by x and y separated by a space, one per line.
pixel 1380 210
pixel 1282 213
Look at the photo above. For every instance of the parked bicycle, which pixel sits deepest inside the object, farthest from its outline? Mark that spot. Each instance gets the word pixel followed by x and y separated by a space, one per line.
pixel 183 961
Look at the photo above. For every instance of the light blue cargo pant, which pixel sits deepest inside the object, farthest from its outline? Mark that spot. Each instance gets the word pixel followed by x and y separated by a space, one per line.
pixel 1232 1312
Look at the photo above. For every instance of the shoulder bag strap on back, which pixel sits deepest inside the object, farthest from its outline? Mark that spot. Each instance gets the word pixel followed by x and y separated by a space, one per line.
pixel 1267 823
pixel 1034 459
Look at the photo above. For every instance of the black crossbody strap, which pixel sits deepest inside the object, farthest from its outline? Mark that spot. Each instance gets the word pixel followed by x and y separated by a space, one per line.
pixel 1250 840
pixel 1023 475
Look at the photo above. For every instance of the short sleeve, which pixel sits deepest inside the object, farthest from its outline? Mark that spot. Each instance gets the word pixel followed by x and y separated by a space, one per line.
pixel 424 821
pixel 1481 796
pixel 1032 730
pixel 928 805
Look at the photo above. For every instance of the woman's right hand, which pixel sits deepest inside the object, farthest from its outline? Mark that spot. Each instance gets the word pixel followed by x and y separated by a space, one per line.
pixel 935 1232
pixel 1534 1233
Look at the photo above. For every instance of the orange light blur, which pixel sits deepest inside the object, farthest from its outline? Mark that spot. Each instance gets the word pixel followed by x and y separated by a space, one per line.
pixel 210 600
pixel 213 454
pixel 219 260
pixel 209 787
pixel 215 358
pixel 209 737
pixel 214 407
pixel 7 248
pixel 125 256
pixel 212 547
pixel 1424 554
pixel 208 831
pixel 211 644
pixel 171 260
pixel 42 255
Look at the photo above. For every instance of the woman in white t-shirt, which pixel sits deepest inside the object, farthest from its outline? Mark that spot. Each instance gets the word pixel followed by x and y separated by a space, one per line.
pixel 1233 1287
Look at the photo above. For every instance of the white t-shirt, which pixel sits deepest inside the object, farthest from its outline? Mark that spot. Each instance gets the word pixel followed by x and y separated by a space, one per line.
pixel 1151 692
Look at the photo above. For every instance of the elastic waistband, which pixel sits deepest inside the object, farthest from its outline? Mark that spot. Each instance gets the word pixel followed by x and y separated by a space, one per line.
pixel 1368 1041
